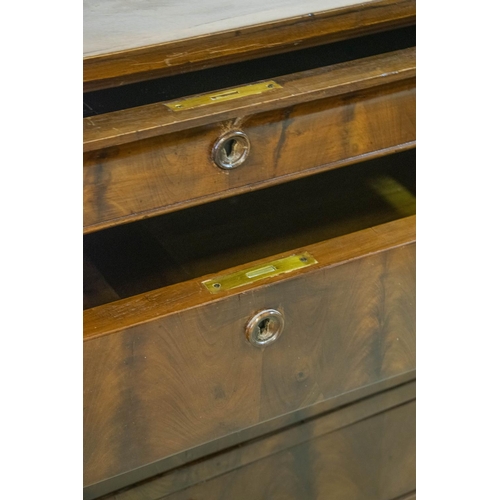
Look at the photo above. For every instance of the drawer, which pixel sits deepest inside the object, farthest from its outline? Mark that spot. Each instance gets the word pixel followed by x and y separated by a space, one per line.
pixel 153 159
pixel 168 368
pixel 363 450
pixel 373 459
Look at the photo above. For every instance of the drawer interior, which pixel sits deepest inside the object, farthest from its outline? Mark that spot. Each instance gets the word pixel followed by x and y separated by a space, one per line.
pixel 207 80
pixel 145 255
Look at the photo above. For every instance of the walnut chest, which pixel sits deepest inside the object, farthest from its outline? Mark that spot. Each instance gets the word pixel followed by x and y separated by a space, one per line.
pixel 249 250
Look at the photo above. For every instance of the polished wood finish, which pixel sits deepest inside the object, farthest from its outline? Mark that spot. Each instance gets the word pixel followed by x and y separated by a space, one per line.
pixel 409 496
pixel 130 125
pixel 234 458
pixel 130 24
pixel 175 171
pixel 148 473
pixel 373 459
pixel 177 376
pixel 128 312
pixel 177 403
pixel 165 250
pixel 127 66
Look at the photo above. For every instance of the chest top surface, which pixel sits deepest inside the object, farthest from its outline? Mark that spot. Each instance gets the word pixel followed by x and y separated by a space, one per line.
pixel 115 25
pixel 128 41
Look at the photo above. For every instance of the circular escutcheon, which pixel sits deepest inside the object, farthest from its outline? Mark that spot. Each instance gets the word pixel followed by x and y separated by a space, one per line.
pixel 231 149
pixel 265 327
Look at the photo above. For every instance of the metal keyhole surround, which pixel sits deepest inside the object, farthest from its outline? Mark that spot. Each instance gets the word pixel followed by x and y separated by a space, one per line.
pixel 231 149
pixel 265 327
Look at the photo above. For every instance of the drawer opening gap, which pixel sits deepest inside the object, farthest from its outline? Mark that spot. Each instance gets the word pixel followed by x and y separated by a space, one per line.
pixel 233 75
pixel 153 253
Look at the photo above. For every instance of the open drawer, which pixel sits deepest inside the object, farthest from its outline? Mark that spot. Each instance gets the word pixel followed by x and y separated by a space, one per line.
pixel 166 156
pixel 169 363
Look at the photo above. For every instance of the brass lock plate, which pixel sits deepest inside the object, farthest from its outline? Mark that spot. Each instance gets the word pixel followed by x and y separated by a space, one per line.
pixel 224 95
pixel 256 273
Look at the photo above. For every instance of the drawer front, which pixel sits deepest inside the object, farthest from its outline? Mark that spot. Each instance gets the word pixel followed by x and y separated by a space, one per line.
pixel 180 378
pixel 364 449
pixel 174 171
pixel 373 459
pixel 133 180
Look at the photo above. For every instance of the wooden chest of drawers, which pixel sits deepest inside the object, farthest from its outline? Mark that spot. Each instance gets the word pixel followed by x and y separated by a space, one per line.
pixel 250 305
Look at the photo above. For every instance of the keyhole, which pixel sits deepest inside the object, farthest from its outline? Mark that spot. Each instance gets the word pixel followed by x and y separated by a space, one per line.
pixel 264 332
pixel 229 148
pixel 264 327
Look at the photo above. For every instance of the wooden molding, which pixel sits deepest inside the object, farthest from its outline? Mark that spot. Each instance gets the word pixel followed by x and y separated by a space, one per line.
pixel 205 51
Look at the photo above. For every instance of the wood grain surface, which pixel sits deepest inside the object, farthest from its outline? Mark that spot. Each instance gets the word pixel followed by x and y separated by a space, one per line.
pixel 173 171
pixel 164 250
pixel 130 24
pixel 167 383
pixel 143 122
pixel 236 457
pixel 115 316
pixel 173 392
pixel 155 477
pixel 231 45
pixel 371 460
pixel 409 496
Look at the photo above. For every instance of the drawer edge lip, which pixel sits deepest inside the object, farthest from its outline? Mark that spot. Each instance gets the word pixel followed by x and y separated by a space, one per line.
pixel 411 495
pixel 384 237
pixel 218 195
pixel 100 132
pixel 118 68
pixel 334 404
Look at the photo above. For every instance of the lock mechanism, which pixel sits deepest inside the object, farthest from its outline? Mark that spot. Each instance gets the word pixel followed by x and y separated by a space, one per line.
pixel 231 149
pixel 265 327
